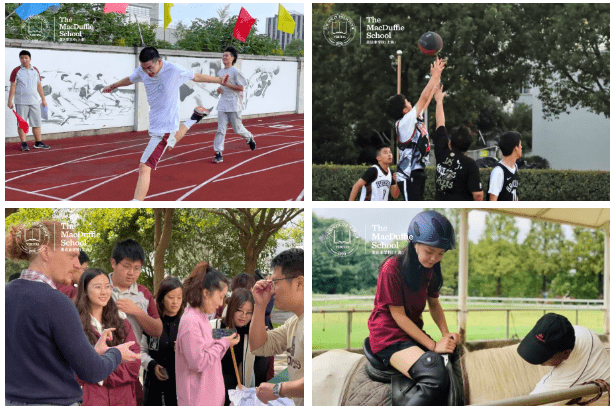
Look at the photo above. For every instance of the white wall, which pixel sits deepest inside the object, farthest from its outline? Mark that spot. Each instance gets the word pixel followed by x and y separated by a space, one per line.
pixel 76 103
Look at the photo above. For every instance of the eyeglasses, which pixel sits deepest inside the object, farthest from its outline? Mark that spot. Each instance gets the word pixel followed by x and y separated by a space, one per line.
pixel 246 314
pixel 275 280
pixel 135 269
pixel 98 288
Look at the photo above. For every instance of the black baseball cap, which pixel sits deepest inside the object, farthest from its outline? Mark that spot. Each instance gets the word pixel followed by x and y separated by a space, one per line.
pixel 551 334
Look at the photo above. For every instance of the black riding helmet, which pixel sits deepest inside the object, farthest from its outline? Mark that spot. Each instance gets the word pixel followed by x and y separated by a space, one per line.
pixel 429 228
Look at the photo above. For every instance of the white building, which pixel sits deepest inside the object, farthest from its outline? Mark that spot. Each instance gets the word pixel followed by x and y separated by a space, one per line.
pixel 579 140
pixel 285 38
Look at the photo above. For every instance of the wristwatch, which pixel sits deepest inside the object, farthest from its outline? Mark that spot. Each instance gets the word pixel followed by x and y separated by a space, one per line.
pixel 276 389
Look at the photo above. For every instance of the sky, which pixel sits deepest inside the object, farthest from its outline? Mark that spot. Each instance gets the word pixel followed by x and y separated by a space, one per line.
pixel 186 12
pixel 369 221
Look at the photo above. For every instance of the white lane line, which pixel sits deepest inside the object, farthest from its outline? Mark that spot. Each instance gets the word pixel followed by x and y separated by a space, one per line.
pixel 28 192
pixel 231 168
pixel 300 197
pixel 67 162
pixel 102 183
pixel 72 183
pixel 172 190
pixel 255 172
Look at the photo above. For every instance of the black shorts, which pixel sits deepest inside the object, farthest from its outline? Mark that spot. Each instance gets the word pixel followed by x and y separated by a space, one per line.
pixel 387 353
pixel 413 188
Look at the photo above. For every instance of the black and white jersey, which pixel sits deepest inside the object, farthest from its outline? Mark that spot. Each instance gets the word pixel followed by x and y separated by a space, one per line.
pixel 377 185
pixel 504 183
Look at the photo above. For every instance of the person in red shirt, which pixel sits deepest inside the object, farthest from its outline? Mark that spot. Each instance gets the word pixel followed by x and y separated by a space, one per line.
pixel 407 282
pixel 98 312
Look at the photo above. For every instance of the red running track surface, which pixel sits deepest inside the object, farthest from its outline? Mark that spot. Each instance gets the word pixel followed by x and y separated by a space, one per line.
pixel 105 167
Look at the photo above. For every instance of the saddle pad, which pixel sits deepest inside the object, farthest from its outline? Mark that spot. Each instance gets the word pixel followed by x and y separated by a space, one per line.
pixel 331 372
pixel 362 391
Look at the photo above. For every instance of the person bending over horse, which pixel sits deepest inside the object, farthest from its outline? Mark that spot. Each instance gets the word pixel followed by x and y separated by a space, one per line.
pixel 406 282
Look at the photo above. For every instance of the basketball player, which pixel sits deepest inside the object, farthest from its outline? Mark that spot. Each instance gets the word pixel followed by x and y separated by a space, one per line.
pixel 378 180
pixel 414 144
pixel 162 80
pixel 504 177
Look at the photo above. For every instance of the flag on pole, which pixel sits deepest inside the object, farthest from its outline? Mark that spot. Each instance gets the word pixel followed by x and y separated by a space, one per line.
pixel 27 10
pixel 22 123
pixel 115 8
pixel 244 25
pixel 285 22
pixel 167 14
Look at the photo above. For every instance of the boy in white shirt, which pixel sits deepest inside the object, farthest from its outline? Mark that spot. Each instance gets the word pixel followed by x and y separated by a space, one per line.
pixel 162 80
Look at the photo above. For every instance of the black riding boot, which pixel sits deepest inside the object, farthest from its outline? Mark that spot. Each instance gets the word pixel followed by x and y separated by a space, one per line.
pixel 431 381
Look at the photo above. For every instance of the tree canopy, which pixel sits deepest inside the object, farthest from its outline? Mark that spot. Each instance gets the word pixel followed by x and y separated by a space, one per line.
pixel 500 264
pixel 493 50
pixel 231 240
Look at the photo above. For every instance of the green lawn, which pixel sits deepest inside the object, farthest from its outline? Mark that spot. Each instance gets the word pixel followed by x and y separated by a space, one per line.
pixel 330 329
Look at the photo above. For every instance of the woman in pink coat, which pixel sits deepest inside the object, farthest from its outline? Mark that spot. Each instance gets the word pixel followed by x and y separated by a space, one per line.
pixel 98 311
pixel 198 357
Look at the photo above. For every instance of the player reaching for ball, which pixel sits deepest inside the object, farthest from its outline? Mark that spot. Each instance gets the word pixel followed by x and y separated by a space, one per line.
pixel 378 180
pixel 413 138
pixel 162 80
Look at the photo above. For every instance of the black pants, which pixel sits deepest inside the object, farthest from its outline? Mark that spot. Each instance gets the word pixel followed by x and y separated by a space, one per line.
pixel 413 188
pixel 159 393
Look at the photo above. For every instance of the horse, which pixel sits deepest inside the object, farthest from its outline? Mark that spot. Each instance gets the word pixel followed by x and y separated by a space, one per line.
pixel 340 378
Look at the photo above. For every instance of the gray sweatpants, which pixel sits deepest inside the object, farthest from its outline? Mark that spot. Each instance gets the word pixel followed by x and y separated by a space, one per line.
pixel 222 124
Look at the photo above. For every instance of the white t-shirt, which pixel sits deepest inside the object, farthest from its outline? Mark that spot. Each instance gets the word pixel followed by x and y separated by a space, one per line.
pixel 289 338
pixel 231 100
pixel 163 95
pixel 496 178
pixel 588 361
pixel 409 128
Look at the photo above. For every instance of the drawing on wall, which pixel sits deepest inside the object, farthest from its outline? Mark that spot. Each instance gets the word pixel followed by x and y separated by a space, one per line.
pixel 77 98
pixel 192 94
pixel 259 82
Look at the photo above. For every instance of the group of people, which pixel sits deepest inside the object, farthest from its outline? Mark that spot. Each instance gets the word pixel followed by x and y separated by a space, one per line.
pixel 162 80
pixel 77 336
pixel 457 175
pixel 410 280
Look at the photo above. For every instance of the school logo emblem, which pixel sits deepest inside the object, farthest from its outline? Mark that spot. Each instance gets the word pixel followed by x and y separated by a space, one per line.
pixel 339 30
pixel 33 238
pixel 36 28
pixel 540 337
pixel 341 239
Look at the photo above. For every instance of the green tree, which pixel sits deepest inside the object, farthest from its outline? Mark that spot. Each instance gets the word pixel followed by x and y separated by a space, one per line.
pixel 214 35
pixel 582 277
pixel 351 83
pixel 109 29
pixel 569 45
pixel 295 48
pixel 545 245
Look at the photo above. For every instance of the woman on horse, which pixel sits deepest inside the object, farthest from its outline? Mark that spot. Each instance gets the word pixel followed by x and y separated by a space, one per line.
pixel 406 282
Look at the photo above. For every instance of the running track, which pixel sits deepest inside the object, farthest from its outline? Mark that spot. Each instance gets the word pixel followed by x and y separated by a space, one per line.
pixel 105 168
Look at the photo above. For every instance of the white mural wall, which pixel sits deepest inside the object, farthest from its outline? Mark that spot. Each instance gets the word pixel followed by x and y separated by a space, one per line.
pixel 72 84
pixel 73 81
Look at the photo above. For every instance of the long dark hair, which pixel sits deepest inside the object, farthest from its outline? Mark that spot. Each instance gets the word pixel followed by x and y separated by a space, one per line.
pixel 408 266
pixel 168 284
pixel 110 313
pixel 238 298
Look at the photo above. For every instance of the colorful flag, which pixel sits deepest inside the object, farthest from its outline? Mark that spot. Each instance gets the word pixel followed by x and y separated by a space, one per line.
pixel 285 22
pixel 115 8
pixel 22 123
pixel 27 10
pixel 167 14
pixel 244 25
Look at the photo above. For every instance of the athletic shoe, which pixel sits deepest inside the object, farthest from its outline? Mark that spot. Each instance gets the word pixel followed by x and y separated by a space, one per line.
pixel 252 143
pixel 41 145
pixel 199 113
pixel 24 146
pixel 218 158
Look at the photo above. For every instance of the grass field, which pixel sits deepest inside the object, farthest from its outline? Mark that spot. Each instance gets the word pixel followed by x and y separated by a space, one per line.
pixel 330 329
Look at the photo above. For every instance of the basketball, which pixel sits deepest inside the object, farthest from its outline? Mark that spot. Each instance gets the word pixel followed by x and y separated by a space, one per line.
pixel 430 43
